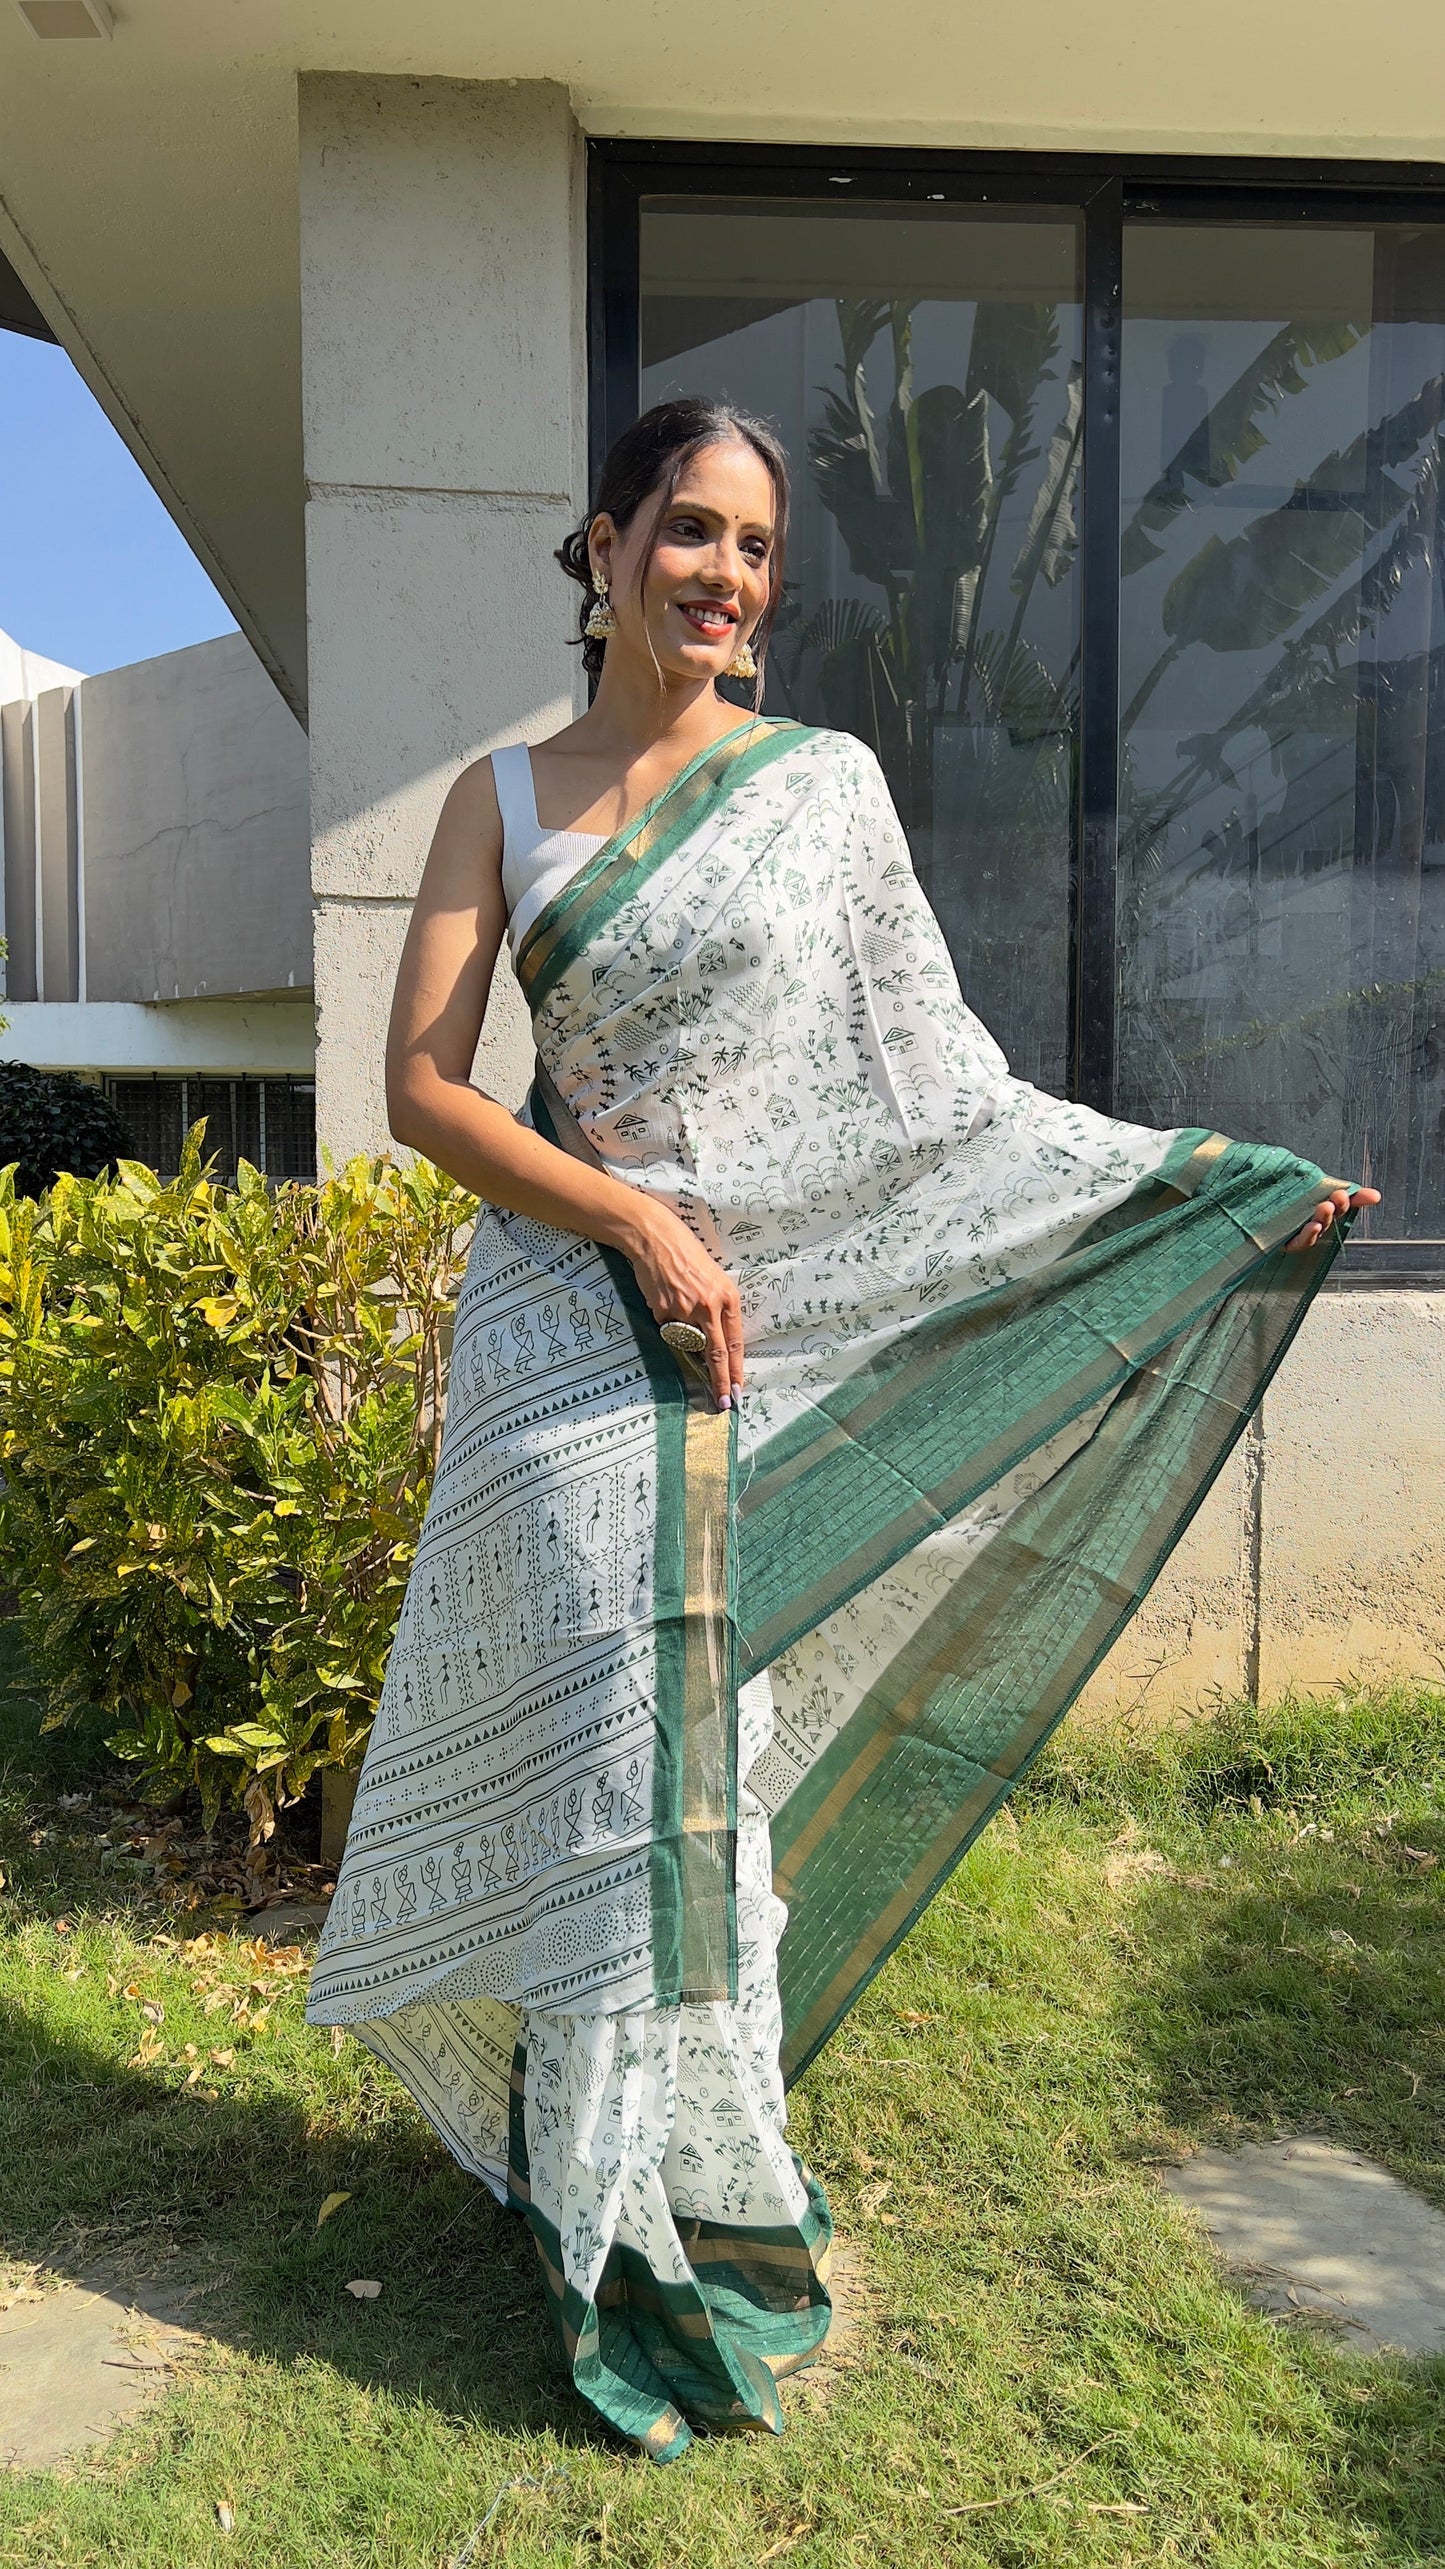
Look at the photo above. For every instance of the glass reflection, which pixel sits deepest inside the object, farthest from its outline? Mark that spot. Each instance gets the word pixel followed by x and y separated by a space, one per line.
pixel 1282 765
pixel 923 369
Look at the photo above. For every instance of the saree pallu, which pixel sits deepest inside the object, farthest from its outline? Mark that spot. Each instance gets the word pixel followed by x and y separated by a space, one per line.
pixel 998 1347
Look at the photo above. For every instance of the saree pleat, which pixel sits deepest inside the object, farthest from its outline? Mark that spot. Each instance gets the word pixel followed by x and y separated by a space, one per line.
pixel 998 1348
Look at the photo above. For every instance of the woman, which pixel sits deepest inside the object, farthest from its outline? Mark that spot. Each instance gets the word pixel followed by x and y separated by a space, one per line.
pixel 995 1348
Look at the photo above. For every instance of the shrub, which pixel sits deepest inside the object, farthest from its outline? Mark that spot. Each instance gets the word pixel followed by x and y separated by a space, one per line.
pixel 222 1412
pixel 51 1122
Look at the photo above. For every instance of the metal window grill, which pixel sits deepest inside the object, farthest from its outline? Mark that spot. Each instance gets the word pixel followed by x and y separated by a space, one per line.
pixel 270 1122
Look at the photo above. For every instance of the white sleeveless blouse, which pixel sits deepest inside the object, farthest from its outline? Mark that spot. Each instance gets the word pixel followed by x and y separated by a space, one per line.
pixel 535 862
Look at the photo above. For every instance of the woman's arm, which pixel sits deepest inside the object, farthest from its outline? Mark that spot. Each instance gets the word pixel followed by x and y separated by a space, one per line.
pixel 451 950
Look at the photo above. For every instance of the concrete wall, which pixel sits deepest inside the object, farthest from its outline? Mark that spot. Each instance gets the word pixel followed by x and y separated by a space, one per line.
pixel 232 1038
pixel 1318 1558
pixel 29 673
pixel 444 409
pixel 195 829
pixel 156 834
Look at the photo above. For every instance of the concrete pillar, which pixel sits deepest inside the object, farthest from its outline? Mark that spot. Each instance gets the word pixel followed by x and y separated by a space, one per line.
pixel 58 940
pixel 444 424
pixel 17 838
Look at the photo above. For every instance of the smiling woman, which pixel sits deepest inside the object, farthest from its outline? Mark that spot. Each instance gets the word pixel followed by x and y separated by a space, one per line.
pixel 823 1400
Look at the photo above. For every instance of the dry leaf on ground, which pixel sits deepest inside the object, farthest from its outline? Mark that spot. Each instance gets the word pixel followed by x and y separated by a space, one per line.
pixel 332 2204
pixel 364 2289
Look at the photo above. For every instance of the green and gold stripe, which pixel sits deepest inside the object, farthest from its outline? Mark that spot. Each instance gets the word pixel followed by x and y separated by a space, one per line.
pixel 948 1728
pixel 911 1438
pixel 651 2355
pixel 566 927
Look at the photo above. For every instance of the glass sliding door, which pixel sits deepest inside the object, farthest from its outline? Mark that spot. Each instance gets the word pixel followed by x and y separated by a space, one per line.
pixel 923 365
pixel 1281 879
pixel 1166 729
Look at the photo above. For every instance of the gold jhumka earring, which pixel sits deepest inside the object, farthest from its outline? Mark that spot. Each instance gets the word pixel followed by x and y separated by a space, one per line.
pixel 602 623
pixel 742 663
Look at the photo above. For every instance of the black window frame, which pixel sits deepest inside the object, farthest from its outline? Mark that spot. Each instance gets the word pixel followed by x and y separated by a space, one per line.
pixel 223 1147
pixel 1105 192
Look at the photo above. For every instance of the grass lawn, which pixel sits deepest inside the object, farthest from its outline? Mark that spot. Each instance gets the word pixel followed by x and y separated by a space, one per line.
pixel 1227 1932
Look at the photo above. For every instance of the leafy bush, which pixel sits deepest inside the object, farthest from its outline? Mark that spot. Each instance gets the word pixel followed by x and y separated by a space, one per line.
pixel 222 1413
pixel 51 1121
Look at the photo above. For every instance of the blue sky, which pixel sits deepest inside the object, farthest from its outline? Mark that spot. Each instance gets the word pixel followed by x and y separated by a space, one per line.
pixel 92 570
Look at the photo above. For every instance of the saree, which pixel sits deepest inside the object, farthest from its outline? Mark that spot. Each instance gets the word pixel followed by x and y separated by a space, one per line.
pixel 666 1677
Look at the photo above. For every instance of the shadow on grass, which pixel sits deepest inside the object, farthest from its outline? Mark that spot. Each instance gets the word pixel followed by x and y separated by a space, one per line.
pixel 1312 2004
pixel 1238 1994
pixel 112 2175
pixel 107 2176
pixel 1317 2005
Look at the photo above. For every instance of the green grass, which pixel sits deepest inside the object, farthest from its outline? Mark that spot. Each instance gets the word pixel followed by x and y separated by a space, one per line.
pixel 1181 1939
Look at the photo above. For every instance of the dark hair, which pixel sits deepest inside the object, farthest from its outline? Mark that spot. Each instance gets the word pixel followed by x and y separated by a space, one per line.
pixel 652 455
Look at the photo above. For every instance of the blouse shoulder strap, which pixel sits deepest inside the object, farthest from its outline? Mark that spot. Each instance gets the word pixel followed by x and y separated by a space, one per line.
pixel 516 798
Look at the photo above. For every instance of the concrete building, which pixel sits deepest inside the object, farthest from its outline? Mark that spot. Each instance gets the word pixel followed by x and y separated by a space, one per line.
pixel 1110 351
pixel 155 895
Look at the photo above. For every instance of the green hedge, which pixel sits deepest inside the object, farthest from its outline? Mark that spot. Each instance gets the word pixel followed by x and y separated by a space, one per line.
pixel 222 1408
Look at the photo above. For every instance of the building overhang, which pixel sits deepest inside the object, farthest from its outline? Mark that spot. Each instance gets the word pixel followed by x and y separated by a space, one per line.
pixel 148 182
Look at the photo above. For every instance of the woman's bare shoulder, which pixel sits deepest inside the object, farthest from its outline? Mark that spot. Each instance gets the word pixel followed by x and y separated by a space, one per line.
pixel 467 839
pixel 474 791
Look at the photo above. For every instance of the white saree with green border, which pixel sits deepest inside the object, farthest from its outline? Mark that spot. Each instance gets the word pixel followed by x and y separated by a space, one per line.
pixel 667 1676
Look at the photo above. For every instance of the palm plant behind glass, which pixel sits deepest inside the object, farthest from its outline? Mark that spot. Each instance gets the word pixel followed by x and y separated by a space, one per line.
pixel 1341 719
pixel 918 493
pixel 921 487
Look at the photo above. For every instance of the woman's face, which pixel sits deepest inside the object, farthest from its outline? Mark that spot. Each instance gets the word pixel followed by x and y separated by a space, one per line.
pixel 708 581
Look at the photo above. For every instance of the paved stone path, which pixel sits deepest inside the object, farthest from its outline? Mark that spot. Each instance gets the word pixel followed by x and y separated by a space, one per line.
pixel 1312 2229
pixel 76 2361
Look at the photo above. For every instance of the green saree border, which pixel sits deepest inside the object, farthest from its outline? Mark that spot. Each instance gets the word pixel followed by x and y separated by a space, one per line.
pixel 896 1800
pixel 648 2355
pixel 911 1438
pixel 568 923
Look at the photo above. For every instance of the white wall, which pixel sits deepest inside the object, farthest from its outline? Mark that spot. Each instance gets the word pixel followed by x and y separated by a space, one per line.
pixel 29 673
pixel 155 837
pixel 1318 1559
pixel 444 408
pixel 195 834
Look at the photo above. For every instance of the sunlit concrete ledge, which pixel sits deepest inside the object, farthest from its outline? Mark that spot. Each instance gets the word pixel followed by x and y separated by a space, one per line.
pixel 225 1037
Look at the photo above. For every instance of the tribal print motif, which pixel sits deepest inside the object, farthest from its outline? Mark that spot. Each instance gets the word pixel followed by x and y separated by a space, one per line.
pixel 500 1842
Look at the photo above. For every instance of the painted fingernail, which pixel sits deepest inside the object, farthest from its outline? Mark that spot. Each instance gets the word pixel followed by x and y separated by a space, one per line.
pixel 725 1401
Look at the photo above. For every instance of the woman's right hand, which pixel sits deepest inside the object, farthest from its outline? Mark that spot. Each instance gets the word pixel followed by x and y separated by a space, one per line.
pixel 681 1280
pixel 1341 1199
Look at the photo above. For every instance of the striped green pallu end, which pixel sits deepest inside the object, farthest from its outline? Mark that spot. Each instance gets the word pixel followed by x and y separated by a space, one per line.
pixel 1163 1327
pixel 656 2359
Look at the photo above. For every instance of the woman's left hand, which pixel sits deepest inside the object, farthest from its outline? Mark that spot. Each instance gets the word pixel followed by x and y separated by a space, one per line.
pixel 1341 1199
